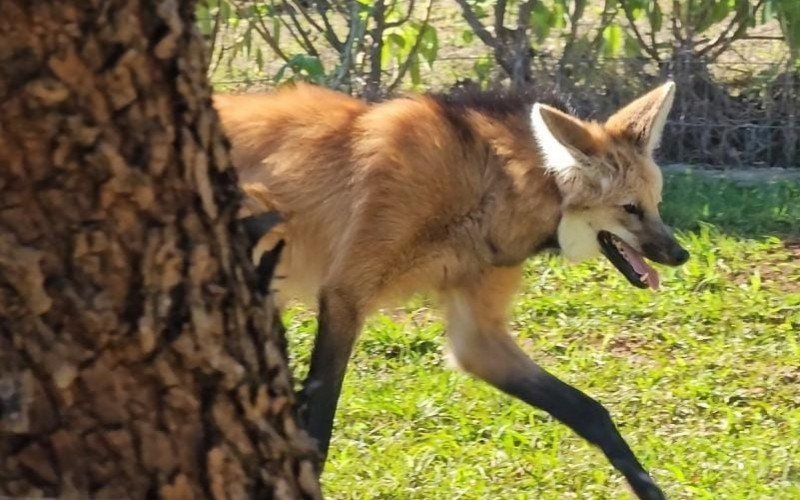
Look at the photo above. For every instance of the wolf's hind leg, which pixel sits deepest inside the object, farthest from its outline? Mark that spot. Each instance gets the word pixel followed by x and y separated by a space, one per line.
pixel 339 323
pixel 481 344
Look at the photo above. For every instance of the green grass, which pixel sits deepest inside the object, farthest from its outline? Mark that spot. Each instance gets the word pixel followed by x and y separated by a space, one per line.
pixel 742 210
pixel 703 378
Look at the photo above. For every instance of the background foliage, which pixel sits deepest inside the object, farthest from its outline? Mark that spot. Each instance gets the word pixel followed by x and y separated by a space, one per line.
pixel 355 44
pixel 736 62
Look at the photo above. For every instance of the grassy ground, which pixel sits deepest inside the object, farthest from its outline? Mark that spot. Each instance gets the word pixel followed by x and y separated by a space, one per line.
pixel 703 377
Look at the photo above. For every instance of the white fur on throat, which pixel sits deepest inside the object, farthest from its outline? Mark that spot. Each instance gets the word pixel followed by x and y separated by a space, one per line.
pixel 557 157
pixel 577 238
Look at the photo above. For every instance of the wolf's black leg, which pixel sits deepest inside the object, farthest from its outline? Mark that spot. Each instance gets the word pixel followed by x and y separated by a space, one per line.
pixel 338 327
pixel 481 343
pixel 586 417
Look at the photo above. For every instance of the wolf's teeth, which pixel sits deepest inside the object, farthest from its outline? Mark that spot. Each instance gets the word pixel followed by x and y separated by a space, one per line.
pixel 643 278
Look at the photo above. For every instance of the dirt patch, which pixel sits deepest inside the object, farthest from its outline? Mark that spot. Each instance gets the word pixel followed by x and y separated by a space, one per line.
pixel 793 246
pixel 781 275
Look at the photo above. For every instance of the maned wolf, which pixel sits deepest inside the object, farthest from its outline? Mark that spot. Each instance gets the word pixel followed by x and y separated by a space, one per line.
pixel 451 193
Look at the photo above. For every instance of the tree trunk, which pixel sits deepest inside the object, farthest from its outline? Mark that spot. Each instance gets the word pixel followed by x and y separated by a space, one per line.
pixel 135 358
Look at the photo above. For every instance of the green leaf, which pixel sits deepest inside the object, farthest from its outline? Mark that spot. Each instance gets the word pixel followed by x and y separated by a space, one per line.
pixel 712 13
pixel 276 29
pixel 203 17
pixel 310 65
pixel 226 10
pixel 429 45
pixel 416 78
pixel 768 11
pixel 279 74
pixel 541 21
pixel 303 65
pixel 483 68
pixel 410 33
pixel 656 17
pixel 612 40
pixel 386 55
pixel 260 59
pixel 560 16
pixel 468 36
pixel 396 40
pixel 393 15
pixel 632 46
pixel 247 40
pixel 788 13
pixel 263 10
pixel 640 4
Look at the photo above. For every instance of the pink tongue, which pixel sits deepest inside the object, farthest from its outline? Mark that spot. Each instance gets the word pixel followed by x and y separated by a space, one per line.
pixel 640 266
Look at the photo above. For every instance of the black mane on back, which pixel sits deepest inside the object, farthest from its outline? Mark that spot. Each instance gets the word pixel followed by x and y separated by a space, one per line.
pixel 499 102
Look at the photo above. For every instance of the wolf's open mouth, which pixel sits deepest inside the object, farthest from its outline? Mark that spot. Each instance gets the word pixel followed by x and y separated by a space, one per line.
pixel 629 262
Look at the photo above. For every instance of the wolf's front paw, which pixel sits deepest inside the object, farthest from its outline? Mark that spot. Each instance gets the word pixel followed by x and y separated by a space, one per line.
pixel 645 488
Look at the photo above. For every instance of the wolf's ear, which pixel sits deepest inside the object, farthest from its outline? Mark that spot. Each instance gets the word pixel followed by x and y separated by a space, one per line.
pixel 561 137
pixel 642 121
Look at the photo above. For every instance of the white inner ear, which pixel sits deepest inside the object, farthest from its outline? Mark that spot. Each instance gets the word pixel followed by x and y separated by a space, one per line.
pixel 660 119
pixel 557 157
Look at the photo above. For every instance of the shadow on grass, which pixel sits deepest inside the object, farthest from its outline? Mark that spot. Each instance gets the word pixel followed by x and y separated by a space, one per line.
pixel 746 210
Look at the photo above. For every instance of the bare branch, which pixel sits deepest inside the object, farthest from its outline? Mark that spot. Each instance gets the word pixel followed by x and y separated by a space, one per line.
pixel 374 77
pixel 474 23
pixel 303 40
pixel 652 51
pixel 736 19
pixel 214 35
pixel 361 45
pixel 605 19
pixel 653 42
pixel 340 7
pixel 329 32
pixel 405 18
pixel 705 10
pixel 524 17
pixel 355 32
pixel 676 31
pixel 499 17
pixel 262 30
pixel 576 15
pixel 723 41
pixel 299 6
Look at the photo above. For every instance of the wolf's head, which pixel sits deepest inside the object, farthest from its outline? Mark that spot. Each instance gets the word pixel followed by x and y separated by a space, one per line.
pixel 611 186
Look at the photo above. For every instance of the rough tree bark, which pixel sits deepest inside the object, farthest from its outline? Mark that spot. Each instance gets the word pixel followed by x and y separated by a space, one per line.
pixel 135 359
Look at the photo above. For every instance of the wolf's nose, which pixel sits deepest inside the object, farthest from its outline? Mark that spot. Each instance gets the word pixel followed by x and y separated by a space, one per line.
pixel 680 256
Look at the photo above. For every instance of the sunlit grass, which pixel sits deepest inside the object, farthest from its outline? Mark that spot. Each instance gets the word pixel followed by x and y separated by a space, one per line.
pixel 703 377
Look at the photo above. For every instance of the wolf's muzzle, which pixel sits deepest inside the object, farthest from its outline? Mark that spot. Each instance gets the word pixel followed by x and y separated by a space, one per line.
pixel 669 252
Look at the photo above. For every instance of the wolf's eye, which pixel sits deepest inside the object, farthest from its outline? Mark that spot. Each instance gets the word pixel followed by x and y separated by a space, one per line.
pixel 632 208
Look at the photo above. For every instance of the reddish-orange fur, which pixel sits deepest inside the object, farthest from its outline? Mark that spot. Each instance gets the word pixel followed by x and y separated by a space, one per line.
pixel 422 193
pixel 388 200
